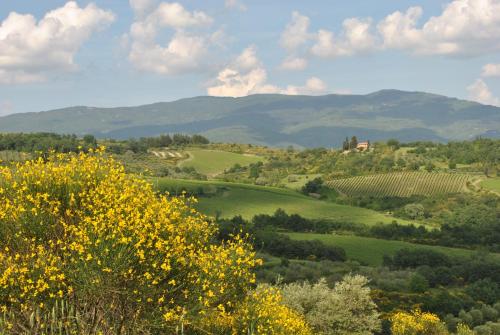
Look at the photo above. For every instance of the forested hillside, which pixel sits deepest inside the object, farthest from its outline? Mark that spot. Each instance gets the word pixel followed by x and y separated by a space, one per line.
pixel 278 120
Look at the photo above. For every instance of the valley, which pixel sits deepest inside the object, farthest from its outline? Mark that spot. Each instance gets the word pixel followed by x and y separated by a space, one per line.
pixel 419 219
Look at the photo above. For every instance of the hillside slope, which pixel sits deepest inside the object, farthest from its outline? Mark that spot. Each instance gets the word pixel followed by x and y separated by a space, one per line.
pixel 278 119
pixel 231 199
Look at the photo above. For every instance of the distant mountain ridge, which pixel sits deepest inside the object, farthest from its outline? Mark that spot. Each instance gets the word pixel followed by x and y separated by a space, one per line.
pixel 278 120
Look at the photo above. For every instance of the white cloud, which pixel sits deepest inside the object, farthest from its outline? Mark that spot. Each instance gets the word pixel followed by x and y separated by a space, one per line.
pixel 399 30
pixel 235 4
pixel 142 7
pixel 294 39
pixel 296 32
pixel 313 86
pixel 465 27
pixel 491 70
pixel 480 92
pixel 294 63
pixel 247 75
pixel 30 50
pixel 176 16
pixel 356 37
pixel 182 53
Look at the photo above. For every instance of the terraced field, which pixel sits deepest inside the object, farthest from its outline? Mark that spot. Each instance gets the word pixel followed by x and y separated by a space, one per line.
pixel 371 251
pixel 402 184
pixel 230 199
pixel 212 162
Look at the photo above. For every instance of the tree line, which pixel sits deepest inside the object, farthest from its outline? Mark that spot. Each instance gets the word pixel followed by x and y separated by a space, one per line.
pixel 45 141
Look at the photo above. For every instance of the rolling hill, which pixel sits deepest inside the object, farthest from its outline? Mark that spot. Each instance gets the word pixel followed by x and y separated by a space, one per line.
pixel 213 162
pixel 374 249
pixel 230 199
pixel 278 120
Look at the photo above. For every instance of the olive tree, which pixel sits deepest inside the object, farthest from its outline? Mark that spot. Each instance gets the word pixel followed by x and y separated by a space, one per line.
pixel 346 309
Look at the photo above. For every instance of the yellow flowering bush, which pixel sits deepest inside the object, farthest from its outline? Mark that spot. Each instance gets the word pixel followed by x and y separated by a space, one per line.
pixel 463 329
pixel 417 323
pixel 76 231
pixel 263 313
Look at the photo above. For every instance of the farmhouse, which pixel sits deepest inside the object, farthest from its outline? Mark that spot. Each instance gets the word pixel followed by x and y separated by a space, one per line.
pixel 363 146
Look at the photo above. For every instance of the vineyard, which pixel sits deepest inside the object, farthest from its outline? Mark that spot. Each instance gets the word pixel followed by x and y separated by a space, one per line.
pixel 401 184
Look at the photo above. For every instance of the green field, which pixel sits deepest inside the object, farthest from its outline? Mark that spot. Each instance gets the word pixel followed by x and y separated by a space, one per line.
pixel 212 162
pixel 492 184
pixel 372 250
pixel 401 184
pixel 230 199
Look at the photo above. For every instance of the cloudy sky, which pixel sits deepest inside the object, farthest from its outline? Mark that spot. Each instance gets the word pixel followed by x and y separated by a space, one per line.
pixel 56 53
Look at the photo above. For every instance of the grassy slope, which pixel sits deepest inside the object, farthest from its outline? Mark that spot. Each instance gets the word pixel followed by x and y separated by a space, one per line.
pixel 214 161
pixel 492 184
pixel 371 250
pixel 249 200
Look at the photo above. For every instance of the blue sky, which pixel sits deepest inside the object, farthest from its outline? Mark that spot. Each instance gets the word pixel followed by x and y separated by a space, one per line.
pixel 115 52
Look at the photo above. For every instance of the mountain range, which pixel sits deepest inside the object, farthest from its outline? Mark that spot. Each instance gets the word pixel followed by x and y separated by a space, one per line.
pixel 278 120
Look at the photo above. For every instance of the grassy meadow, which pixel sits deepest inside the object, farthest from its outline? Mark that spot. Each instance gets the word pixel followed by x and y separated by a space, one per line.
pixel 230 199
pixel 492 184
pixel 370 250
pixel 213 162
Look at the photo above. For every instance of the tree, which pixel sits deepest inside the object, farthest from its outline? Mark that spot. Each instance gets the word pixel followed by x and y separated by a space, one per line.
pixel 345 144
pixel 165 140
pixel 393 143
pixel 254 171
pixel 313 186
pixel 414 211
pixel 418 283
pixel 345 309
pixel 354 143
pixel 429 167
pixel 484 290
pixel 90 140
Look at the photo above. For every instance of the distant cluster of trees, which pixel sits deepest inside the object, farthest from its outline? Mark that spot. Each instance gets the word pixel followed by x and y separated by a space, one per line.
pixel 43 142
pixel 281 245
pixel 480 276
pixel 264 237
pixel 483 151
pixel 350 144
pixel 143 144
